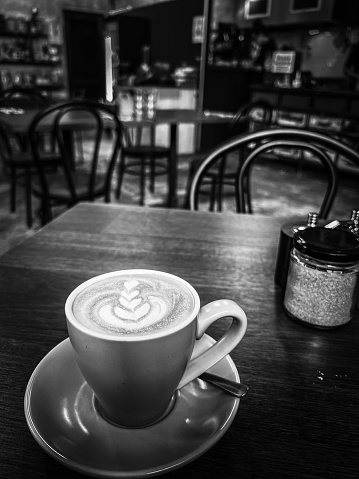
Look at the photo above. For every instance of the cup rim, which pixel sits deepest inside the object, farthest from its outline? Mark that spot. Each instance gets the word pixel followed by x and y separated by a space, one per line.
pixel 133 337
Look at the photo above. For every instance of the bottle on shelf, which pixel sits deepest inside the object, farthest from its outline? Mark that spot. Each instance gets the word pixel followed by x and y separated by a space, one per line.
pixel 145 71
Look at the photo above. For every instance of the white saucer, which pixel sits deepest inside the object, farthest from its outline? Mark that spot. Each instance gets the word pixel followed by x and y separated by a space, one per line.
pixel 59 410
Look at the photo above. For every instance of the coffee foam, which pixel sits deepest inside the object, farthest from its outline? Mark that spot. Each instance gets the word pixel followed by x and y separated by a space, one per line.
pixel 132 304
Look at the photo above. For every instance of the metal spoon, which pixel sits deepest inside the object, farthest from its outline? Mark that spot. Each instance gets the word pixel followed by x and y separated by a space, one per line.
pixel 232 387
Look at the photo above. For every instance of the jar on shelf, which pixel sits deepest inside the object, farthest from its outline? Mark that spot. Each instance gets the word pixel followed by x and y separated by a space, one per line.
pixel 322 285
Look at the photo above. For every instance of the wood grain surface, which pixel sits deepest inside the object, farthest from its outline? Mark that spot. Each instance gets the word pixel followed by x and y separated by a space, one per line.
pixel 300 418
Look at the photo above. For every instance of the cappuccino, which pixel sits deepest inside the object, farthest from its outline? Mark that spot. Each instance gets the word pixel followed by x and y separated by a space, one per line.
pixel 133 303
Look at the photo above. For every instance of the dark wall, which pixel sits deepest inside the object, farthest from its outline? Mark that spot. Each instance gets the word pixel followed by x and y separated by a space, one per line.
pixel 84 37
pixel 170 27
pixel 134 32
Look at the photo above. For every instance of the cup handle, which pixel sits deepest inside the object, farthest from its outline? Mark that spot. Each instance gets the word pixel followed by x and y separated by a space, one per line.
pixel 207 315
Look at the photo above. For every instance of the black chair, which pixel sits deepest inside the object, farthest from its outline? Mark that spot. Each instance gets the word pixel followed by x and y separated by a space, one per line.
pixel 267 141
pixel 23 98
pixel 19 166
pixel 250 116
pixel 75 182
pixel 16 154
pixel 28 98
pixel 140 160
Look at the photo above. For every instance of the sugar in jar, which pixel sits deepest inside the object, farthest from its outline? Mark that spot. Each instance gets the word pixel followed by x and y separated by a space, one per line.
pixel 322 285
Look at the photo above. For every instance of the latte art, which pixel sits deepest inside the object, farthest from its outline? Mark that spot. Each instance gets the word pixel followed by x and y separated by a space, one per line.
pixel 127 305
pixel 133 309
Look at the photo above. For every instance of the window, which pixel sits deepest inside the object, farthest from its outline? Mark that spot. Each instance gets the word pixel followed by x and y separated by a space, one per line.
pixel 257 9
pixel 299 6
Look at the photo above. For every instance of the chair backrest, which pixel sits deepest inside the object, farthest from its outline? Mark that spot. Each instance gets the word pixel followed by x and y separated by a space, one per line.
pixel 242 121
pixel 103 136
pixel 18 97
pixel 9 144
pixel 317 144
pixel 6 146
pixel 259 112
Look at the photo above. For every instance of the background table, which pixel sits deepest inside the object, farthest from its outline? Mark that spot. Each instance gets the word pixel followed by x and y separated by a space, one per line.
pixel 74 121
pixel 300 418
pixel 77 121
pixel 174 118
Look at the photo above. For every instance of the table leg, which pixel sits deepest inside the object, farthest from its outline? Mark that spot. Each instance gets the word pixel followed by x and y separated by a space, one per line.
pixel 28 189
pixel 172 196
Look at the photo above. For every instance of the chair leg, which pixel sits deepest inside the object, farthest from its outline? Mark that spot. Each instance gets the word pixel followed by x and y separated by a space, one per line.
pixel 169 190
pixel 246 195
pixel 142 182
pixel 121 172
pixel 13 192
pixel 28 198
pixel 249 196
pixel 152 174
pixel 46 214
pixel 191 173
pixel 237 193
pixel 212 195
pixel 220 195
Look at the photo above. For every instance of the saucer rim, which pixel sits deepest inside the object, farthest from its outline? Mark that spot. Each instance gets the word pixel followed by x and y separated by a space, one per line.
pixel 118 474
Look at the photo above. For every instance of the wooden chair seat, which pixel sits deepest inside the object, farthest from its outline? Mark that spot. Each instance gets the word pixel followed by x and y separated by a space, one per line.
pixel 146 151
pixel 59 187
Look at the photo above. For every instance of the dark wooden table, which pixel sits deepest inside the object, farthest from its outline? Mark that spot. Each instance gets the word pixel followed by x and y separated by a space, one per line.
pixel 300 418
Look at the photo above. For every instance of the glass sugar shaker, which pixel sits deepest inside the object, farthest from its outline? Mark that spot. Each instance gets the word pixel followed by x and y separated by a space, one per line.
pixel 323 277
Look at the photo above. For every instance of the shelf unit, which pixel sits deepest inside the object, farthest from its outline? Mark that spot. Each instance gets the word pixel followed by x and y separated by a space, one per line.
pixel 332 112
pixel 21 65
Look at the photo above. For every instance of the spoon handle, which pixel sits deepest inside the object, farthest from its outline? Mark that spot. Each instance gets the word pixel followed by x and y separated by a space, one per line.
pixel 232 387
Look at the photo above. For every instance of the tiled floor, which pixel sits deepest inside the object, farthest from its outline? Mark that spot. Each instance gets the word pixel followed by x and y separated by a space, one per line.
pixel 278 189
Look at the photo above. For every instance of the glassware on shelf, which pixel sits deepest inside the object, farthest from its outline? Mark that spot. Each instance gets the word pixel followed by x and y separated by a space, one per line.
pixel 145 71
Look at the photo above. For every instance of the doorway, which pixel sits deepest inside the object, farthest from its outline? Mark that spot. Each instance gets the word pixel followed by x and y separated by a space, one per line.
pixel 84 34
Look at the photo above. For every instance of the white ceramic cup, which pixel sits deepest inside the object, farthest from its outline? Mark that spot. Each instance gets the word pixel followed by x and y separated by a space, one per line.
pixel 135 376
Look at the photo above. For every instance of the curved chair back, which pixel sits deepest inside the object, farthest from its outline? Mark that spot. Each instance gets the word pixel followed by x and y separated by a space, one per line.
pixel 316 143
pixel 72 184
pixel 246 111
pixel 225 172
pixel 6 146
pixel 23 98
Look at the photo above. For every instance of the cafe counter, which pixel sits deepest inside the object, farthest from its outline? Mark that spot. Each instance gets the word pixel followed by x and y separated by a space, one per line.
pixel 329 111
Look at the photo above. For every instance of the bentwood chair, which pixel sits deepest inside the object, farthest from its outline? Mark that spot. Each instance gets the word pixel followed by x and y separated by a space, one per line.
pixel 220 179
pixel 15 152
pixel 26 99
pixel 18 97
pixel 319 146
pixel 142 160
pixel 76 181
pixel 19 166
